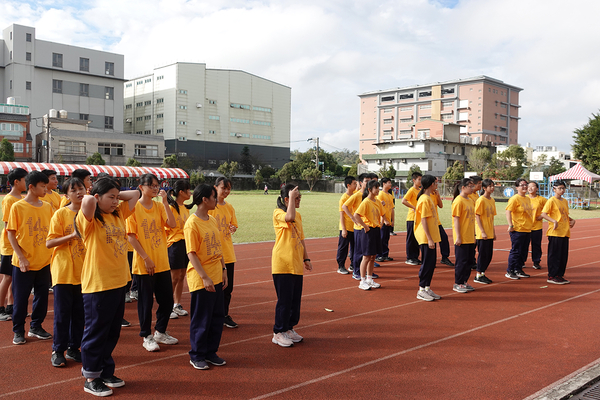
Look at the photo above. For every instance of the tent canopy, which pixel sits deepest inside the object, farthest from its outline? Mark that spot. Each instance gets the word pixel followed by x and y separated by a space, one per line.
pixel 577 172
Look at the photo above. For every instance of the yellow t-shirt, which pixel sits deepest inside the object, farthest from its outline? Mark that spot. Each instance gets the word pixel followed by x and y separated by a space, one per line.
pixel 225 216
pixel 348 223
pixel 105 266
pixel 426 208
pixel 486 209
pixel 7 203
pixel 204 239
pixel 371 211
pixel 352 203
pixel 411 197
pixel 474 196
pixel 437 201
pixel 31 224
pixel 522 213
pixel 64 201
pixel 148 226
pixel 537 204
pixel 67 259
pixel 53 199
pixel 387 200
pixel 176 234
pixel 464 209
pixel 558 210
pixel 288 251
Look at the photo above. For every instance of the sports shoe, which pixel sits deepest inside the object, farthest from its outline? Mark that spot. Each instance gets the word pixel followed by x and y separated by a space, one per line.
pixel 387 258
pixel 419 262
pixel 229 322
pixel 113 382
pixel 459 288
pixel 356 277
pixel 39 333
pixel 446 261
pixel 412 262
pixel 522 274
pixel 375 276
pixel 9 309
pixel 376 265
pixel 125 323
pixel 178 309
pixel 19 338
pixel 483 280
pixel 97 388
pixel 292 334
pixel 424 295
pixel 127 298
pixel 537 266
pixel 164 338
pixel 58 359
pixel 351 268
pixel 380 259
pixel 133 295
pixel 364 285
pixel 511 275
pixel 557 280
pixel 4 316
pixel 73 354
pixel 563 280
pixel 469 287
pixel 216 360
pixel 173 315
pixel 374 284
pixel 199 364
pixel 432 294
pixel 342 271
pixel 150 344
pixel 282 339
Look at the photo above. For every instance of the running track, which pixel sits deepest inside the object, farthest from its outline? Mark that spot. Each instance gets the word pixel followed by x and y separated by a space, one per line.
pixel 507 340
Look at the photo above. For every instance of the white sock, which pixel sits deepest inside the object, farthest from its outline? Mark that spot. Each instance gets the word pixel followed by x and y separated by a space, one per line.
pixel 427 287
pixel 421 289
pixel 369 278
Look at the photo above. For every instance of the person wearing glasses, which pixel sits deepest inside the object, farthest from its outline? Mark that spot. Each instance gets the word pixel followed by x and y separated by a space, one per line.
pixel 519 215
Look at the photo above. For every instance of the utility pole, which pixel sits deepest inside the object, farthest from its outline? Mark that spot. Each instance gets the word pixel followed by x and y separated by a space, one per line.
pixel 317 153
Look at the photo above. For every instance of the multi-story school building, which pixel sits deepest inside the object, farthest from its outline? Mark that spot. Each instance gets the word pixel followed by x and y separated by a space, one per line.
pixel 15 123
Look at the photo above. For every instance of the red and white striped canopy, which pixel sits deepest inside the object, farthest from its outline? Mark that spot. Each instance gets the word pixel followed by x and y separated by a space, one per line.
pixel 576 172
pixel 118 171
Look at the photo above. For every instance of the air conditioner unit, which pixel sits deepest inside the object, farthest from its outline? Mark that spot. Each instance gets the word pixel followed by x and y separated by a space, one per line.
pixel 403 160
pixel 410 144
pixel 198 105
pixel 128 120
pixel 238 135
pixel 198 132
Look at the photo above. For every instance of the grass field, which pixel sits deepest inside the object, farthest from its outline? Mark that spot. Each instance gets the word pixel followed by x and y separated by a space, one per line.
pixel 320 215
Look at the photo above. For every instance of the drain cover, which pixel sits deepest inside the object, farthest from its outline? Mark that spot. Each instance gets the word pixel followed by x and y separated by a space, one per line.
pixel 593 393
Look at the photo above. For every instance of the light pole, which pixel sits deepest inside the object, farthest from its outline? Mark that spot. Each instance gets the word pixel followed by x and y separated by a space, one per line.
pixel 317 153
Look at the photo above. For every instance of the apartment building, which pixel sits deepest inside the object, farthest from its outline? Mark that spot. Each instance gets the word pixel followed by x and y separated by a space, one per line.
pixel 486 109
pixel 209 115
pixel 15 127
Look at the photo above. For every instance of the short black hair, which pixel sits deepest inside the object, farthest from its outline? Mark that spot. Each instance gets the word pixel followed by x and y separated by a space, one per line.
pixel 362 177
pixel 518 181
pixel 416 174
pixel 476 179
pixel 35 177
pixel 373 176
pixel 49 173
pixel 558 183
pixel 385 180
pixel 81 173
pixel 16 175
pixel 348 181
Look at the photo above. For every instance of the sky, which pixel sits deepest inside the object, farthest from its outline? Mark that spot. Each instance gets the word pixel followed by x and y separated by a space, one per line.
pixel 330 51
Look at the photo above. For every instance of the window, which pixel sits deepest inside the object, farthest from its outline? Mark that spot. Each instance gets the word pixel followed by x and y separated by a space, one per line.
pixel 27 85
pixel 148 102
pixel 182 91
pixel 388 121
pixel 263 109
pixel 212 102
pixel 159 131
pixel 183 107
pixel 182 123
pixel 27 56
pixel 111 149
pixel 147 117
pixel 109 68
pixel 10 84
pixel 84 89
pixel 128 106
pixel 109 93
pixel 404 120
pixel 446 116
pixel 406 108
pixel 56 86
pixel 447 104
pixel 243 106
pixel 406 96
pixel 11 36
pixel 425 107
pixel 146 150
pixel 57 60
pixel 212 162
pixel 387 110
pixel 108 122
pixel 140 104
pixel 387 98
pixel 71 147
pixel 139 119
pixel 148 132
pixel 425 94
pixel 160 115
pixel 147 80
pixel 18 147
pixel 502 105
pixel 139 82
pixel 214 117
pixel 138 132
pixel 28 37
pixel 261 123
pixel 239 120
pixel 447 91
pixel 425 118
pixel 158 78
pixel 10 55
pixel 212 132
pixel 84 64
pixel 158 101
pixel 84 117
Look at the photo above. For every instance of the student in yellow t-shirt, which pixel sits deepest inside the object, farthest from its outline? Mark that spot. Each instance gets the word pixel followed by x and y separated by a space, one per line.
pixel 16 178
pixel 463 231
pixel 477 180
pixel 485 233
pixel 519 216
pixel 85 176
pixel 349 207
pixel 410 200
pixel 444 242
pixel 104 276
pixel 27 230
pixel 51 196
pixel 427 234
pixel 346 225
pixel 227 221
pixel 178 259
pixel 146 233
pixel 387 200
pixel 66 264
pixel 207 277
pixel 556 212
pixel 288 260
pixel 537 204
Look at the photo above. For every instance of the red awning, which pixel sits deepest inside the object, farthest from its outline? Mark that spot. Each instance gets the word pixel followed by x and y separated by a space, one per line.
pixel 576 172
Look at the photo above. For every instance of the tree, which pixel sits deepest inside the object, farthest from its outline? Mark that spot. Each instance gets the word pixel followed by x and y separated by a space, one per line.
pixel 587 144
pixel 95 159
pixel 353 171
pixel 478 159
pixel 346 157
pixel 311 175
pixel 455 173
pixel 132 162
pixel 228 169
pixel 388 173
pixel 7 150
pixel 413 168
pixel 556 167
pixel 196 178
pixel 511 160
pixel 246 161
pixel 170 162
pixel 286 172
pixel 185 163
pixel 258 179
pixel 267 171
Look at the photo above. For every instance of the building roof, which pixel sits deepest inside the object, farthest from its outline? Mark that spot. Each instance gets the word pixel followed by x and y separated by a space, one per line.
pixel 381 156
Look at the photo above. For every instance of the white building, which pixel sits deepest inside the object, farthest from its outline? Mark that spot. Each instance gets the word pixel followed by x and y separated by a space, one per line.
pixel 209 115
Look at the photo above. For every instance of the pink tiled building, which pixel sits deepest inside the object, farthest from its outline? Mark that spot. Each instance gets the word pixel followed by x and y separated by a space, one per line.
pixel 486 109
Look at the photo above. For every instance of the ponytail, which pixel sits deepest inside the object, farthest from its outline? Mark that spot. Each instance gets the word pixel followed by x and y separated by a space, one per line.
pixel 426 182
pixel 179 186
pixel 461 184
pixel 201 192
pixel 284 194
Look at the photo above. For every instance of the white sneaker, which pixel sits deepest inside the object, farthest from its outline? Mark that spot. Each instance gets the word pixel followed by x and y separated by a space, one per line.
pixel 364 285
pixel 294 336
pixel 164 338
pixel 150 344
pixel 282 339
pixel 424 295
pixel 173 315
pixel 373 284
pixel 432 294
pixel 177 309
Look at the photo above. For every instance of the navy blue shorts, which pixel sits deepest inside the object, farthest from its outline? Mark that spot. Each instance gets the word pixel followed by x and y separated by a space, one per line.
pixel 371 242
pixel 6 265
pixel 178 258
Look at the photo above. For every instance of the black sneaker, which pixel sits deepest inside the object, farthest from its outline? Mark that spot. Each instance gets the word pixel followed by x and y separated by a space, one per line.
pixel 522 274
pixel 376 265
pixel 350 268
pixel 483 280
pixel 19 338
pixel 58 359
pixel 9 309
pixel 216 360
pixel 113 382
pixel 380 259
pixel 97 388
pixel 389 259
pixel 39 333
pixel 125 323
pixel 511 275
pixel 229 322
pixel 343 271
pixel 537 266
pixel 375 276
pixel 199 364
pixel 446 261
pixel 73 354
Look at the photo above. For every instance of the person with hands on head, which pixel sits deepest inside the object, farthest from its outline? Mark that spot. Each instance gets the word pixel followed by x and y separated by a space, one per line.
pixel 463 231
pixel 83 175
pixel 288 261
pixel 519 215
pixel 207 277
